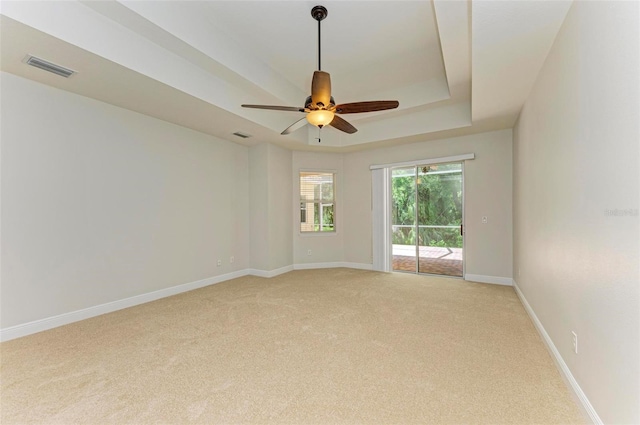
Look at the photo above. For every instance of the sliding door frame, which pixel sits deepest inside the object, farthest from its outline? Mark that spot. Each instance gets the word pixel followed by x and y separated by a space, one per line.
pixel 381 209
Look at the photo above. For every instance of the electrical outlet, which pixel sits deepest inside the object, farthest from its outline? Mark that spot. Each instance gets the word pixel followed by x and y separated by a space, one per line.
pixel 484 219
pixel 219 263
pixel 574 337
pixel 231 260
pixel 308 252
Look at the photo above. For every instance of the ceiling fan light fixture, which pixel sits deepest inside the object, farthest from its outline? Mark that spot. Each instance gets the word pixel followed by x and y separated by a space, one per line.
pixel 320 117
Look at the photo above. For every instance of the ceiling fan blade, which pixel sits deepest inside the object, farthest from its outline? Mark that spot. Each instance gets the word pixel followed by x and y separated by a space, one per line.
pixel 321 88
pixel 276 108
pixel 376 105
pixel 296 125
pixel 342 125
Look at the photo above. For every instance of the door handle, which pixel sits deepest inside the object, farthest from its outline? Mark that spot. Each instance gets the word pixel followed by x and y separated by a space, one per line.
pixel 461 232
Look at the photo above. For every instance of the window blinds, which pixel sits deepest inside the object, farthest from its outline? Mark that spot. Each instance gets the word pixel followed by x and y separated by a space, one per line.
pixel 316 187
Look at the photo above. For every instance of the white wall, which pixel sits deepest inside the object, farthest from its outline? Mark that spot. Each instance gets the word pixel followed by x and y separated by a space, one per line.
pixel 576 155
pixel 326 247
pixel 488 193
pixel 259 206
pixel 101 203
pixel 280 215
pixel 271 216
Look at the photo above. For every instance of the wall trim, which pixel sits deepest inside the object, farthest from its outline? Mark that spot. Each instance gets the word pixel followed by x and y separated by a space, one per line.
pixel 269 273
pixel 359 266
pixel 586 405
pixel 47 323
pixel 332 265
pixel 496 280
pixel 40 325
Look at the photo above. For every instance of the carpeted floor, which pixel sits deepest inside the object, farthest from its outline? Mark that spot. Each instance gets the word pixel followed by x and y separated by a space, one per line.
pixel 307 347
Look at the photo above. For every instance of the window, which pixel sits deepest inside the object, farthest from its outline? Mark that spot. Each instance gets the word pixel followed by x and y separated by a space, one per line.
pixel 317 202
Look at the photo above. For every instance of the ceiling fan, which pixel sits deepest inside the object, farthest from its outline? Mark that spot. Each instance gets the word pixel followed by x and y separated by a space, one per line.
pixel 320 108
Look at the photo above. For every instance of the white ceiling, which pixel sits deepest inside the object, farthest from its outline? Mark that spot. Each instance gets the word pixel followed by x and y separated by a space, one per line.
pixel 456 67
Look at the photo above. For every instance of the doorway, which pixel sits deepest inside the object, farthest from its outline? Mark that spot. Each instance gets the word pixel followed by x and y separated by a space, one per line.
pixel 427 219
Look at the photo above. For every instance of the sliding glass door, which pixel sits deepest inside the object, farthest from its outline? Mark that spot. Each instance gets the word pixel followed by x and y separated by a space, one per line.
pixel 426 217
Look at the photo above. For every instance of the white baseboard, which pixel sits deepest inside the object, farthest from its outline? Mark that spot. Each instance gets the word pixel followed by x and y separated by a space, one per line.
pixel 496 280
pixel 560 363
pixel 359 266
pixel 40 325
pixel 308 266
pixel 270 273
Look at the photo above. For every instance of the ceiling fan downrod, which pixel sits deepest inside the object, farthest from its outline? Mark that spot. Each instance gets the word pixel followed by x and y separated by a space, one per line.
pixel 319 13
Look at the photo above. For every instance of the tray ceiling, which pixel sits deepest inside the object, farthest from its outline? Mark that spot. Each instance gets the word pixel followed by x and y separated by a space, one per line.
pixel 456 67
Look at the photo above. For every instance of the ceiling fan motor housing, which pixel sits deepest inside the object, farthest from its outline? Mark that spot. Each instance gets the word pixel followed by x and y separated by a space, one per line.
pixel 308 104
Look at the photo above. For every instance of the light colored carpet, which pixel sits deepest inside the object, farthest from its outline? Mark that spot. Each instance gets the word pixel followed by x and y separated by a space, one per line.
pixel 307 347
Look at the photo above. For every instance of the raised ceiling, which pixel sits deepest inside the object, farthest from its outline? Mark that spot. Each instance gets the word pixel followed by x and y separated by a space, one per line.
pixel 456 67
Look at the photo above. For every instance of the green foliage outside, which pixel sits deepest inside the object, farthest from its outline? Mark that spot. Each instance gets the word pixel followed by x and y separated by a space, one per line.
pixel 327 218
pixel 439 203
pixel 324 191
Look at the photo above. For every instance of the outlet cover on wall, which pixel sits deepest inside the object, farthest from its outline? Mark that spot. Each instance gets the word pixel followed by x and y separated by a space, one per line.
pixel 574 337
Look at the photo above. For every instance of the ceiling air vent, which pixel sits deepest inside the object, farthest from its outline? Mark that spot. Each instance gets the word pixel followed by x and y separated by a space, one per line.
pixel 241 134
pixel 48 66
